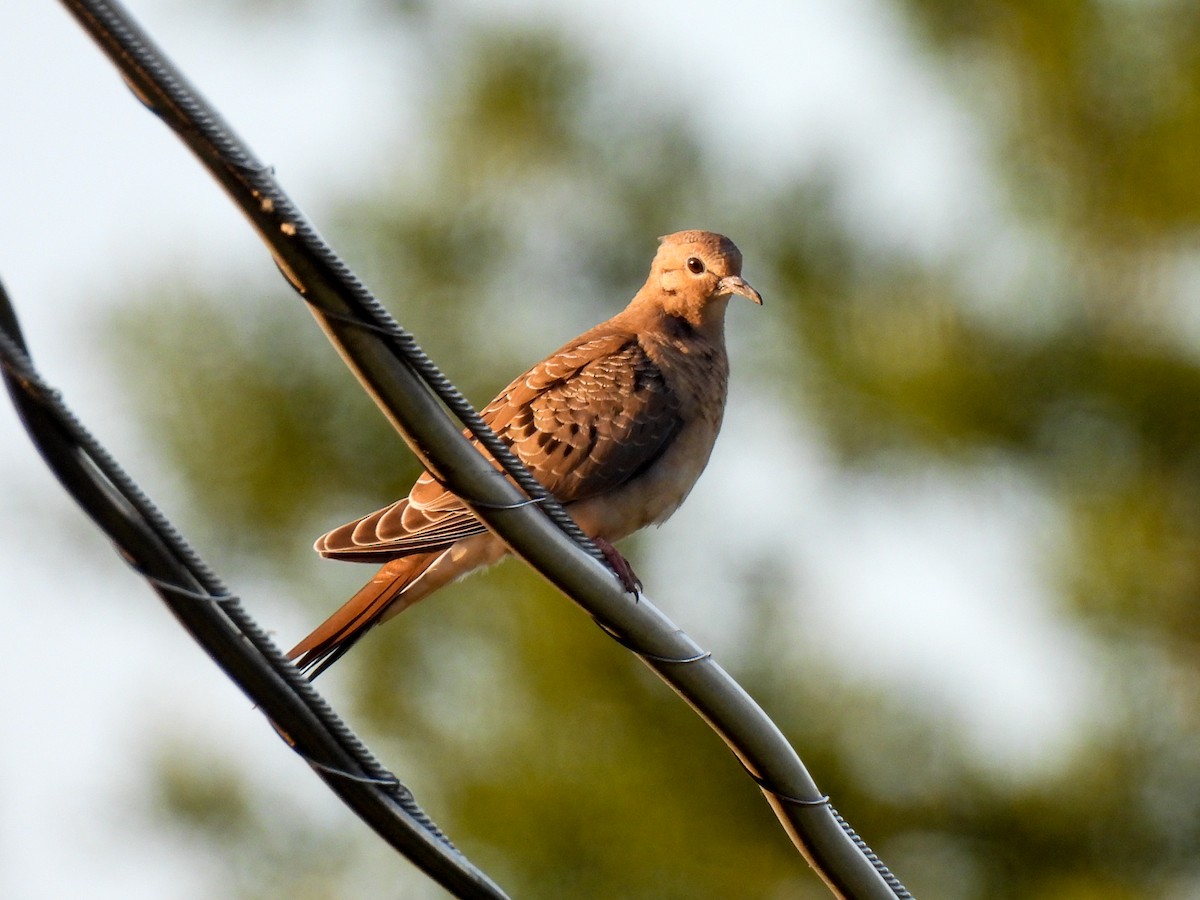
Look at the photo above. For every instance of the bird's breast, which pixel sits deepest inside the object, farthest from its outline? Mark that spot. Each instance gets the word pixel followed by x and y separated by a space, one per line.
pixel 697 373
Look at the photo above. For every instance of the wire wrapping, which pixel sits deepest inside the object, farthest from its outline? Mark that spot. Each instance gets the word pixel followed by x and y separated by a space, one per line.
pixel 893 882
pixel 399 376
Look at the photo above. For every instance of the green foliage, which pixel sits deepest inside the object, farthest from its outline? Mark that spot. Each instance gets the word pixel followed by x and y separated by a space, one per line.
pixel 261 419
pixel 1102 103
pixel 552 757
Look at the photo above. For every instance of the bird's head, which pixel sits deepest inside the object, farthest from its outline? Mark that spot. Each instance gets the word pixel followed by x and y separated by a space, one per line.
pixel 693 276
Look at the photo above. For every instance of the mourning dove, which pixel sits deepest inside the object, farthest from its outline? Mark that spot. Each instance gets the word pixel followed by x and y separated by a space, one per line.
pixel 617 425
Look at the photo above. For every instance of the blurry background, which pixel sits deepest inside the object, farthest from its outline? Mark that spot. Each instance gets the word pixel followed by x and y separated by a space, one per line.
pixel 949 537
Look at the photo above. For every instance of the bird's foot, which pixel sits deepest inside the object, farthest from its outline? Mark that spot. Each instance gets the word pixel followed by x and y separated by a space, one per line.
pixel 620 566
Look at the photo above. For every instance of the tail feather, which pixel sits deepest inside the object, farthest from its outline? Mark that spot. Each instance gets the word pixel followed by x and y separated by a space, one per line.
pixel 360 613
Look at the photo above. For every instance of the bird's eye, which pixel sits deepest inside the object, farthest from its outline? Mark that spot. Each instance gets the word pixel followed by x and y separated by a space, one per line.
pixel 695 265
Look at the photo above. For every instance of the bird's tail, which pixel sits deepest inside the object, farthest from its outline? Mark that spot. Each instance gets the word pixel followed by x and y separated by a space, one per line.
pixel 381 597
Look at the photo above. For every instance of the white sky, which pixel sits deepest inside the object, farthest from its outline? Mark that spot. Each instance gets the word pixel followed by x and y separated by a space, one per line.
pixel 932 584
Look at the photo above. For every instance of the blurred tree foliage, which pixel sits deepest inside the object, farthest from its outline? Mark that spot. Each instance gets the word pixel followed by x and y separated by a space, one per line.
pixel 552 758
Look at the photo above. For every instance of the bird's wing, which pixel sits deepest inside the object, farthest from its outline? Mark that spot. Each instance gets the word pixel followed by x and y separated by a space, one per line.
pixel 586 420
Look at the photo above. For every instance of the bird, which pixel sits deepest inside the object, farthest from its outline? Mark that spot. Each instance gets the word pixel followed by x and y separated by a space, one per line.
pixel 617 424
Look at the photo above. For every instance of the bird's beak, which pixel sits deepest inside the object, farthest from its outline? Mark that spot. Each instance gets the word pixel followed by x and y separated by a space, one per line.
pixel 734 284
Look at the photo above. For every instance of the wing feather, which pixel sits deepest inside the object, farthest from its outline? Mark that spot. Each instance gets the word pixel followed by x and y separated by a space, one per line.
pixel 586 420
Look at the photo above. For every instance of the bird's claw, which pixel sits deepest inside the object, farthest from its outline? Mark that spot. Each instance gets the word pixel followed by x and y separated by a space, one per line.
pixel 620 567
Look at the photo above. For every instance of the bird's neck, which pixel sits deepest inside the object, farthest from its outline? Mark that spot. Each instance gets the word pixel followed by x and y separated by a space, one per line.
pixel 676 314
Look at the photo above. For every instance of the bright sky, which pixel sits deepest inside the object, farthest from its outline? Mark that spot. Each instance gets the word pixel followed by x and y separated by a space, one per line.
pixel 930 583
